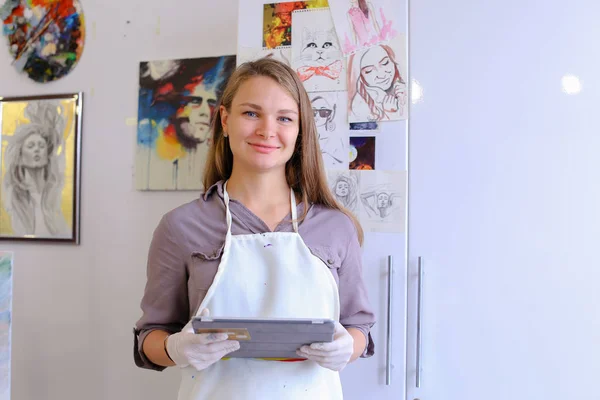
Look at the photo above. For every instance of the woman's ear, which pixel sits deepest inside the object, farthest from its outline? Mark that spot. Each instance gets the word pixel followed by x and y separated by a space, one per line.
pixel 224 116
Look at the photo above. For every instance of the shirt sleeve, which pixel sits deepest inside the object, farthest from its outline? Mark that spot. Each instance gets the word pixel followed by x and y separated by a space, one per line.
pixel 355 309
pixel 165 303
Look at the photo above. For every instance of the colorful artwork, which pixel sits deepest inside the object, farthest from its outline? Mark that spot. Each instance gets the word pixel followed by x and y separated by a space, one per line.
pixel 45 37
pixel 316 53
pixel 6 294
pixel 251 54
pixel 362 152
pixel 364 126
pixel 377 88
pixel 329 110
pixel 277 21
pixel 176 103
pixel 362 23
pixel 41 141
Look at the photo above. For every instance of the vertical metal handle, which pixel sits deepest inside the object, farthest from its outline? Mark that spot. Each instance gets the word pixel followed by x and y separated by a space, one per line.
pixel 388 370
pixel 419 314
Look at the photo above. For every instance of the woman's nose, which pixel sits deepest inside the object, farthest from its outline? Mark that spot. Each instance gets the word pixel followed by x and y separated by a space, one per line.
pixel 266 129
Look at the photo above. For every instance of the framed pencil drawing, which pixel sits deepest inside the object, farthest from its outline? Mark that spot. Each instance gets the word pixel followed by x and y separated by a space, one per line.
pixel 40 167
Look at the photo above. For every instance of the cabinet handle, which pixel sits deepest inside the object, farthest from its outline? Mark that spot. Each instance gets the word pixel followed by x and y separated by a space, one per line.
pixel 419 316
pixel 388 369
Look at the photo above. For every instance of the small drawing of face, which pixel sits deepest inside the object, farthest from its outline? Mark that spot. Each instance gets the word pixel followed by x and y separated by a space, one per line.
pixel 342 189
pixel 322 110
pixel 377 68
pixel 199 108
pixel 34 153
pixel 383 200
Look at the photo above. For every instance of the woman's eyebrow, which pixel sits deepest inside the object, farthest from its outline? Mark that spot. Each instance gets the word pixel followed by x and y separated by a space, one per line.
pixel 259 108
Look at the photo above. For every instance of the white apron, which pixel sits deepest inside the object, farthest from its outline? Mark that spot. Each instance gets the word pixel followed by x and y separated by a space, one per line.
pixel 266 275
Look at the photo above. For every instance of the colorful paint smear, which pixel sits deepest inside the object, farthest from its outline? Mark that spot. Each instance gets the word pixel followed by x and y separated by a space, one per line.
pixel 45 37
pixel 176 103
pixel 6 285
pixel 362 152
pixel 277 21
pixel 361 24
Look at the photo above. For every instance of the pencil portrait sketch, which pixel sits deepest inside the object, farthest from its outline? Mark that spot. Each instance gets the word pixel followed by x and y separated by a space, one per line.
pixel 382 197
pixel 330 119
pixel 35 174
pixel 345 186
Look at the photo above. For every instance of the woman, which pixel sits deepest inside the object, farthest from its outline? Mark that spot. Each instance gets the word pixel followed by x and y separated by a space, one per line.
pixel 380 92
pixel 33 182
pixel 272 261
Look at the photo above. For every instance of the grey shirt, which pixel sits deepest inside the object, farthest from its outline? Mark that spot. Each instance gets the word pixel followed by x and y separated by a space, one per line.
pixel 186 250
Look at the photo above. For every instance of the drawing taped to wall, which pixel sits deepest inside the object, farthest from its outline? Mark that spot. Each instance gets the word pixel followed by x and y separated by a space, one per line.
pixel 316 53
pixel 176 103
pixel 6 295
pixel 362 152
pixel 40 167
pixel 361 24
pixel 345 187
pixel 251 54
pixel 377 89
pixel 329 109
pixel 277 21
pixel 376 198
pixel 383 201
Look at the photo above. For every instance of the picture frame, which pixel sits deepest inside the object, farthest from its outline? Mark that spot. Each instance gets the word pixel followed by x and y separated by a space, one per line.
pixel 40 168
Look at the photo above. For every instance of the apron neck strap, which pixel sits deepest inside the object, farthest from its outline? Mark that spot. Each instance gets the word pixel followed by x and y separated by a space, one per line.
pixel 228 213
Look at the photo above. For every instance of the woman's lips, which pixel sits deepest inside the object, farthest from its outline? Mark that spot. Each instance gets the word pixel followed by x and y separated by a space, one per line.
pixel 262 148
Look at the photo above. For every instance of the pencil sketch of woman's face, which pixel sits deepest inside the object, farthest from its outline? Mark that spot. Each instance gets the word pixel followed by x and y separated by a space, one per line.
pixel 383 200
pixel 342 189
pixel 34 153
pixel 377 69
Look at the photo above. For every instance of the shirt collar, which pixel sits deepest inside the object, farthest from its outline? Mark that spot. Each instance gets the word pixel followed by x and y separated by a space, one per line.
pixel 216 187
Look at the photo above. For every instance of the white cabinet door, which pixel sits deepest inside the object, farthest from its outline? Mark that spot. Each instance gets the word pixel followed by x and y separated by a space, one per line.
pixel 504 200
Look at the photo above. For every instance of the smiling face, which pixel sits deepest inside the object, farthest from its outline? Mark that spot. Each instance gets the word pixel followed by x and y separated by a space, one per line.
pixel 34 153
pixel 262 126
pixel 377 68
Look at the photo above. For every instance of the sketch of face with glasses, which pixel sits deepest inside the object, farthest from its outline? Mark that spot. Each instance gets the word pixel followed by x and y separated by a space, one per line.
pixel 324 114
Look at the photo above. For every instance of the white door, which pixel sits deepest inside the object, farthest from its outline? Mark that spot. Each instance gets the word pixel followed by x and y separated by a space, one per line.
pixel 504 200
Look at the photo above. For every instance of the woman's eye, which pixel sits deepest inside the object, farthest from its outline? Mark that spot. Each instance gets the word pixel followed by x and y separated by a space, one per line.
pixel 285 119
pixel 386 63
pixel 251 114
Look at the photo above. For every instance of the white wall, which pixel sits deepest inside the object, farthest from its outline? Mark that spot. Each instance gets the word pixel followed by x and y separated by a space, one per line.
pixel 74 306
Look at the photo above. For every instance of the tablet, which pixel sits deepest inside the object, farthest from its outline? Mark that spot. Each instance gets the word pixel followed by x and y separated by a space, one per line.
pixel 273 338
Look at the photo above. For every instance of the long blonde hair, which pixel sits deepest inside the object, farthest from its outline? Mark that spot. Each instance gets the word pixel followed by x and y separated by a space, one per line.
pixel 304 172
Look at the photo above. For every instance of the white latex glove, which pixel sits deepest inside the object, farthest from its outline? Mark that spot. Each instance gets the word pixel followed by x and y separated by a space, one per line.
pixel 199 350
pixel 333 355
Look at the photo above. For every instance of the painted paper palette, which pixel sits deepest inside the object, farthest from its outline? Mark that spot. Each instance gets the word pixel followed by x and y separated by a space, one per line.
pixel 45 37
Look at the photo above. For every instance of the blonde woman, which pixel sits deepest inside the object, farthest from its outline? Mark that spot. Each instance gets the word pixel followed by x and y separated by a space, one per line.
pixel 264 222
